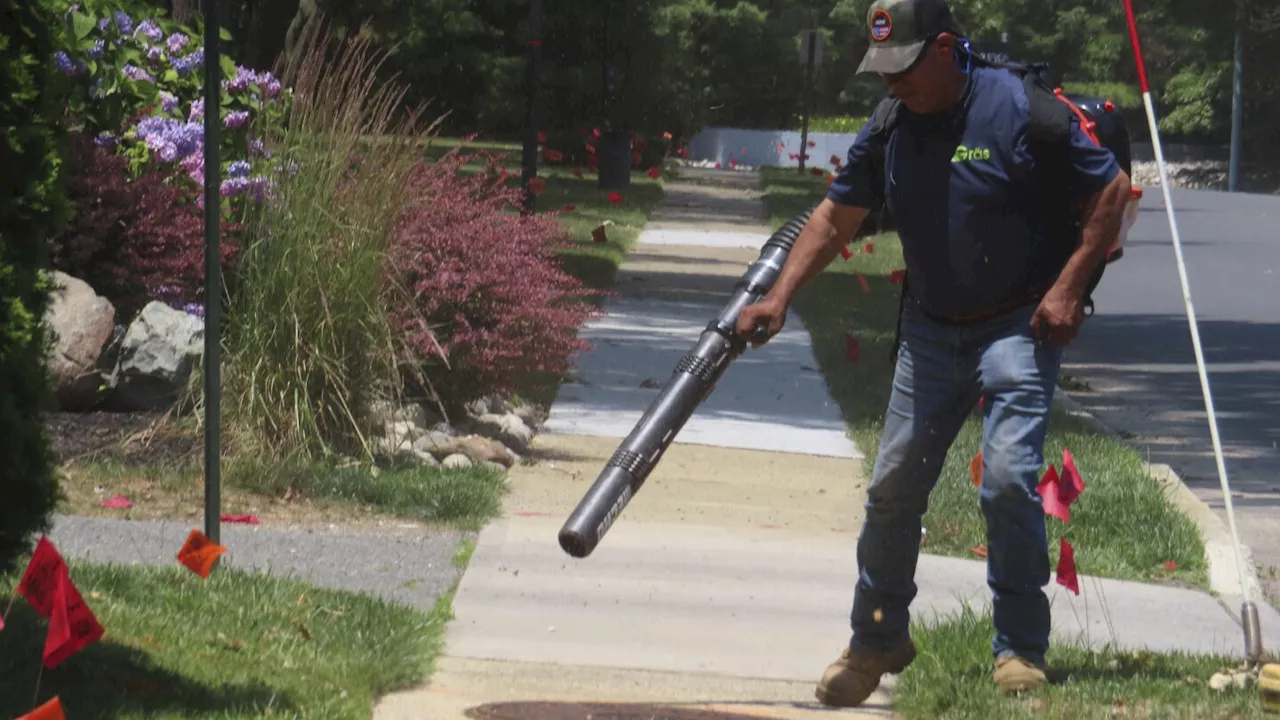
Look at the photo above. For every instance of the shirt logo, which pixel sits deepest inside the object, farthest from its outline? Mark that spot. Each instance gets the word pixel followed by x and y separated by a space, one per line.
pixel 964 154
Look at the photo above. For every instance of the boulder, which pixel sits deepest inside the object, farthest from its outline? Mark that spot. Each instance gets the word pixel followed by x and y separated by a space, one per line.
pixel 508 429
pixel 457 460
pixel 160 350
pixel 81 322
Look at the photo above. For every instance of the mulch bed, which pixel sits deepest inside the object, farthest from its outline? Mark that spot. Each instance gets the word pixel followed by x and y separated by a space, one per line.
pixel 132 438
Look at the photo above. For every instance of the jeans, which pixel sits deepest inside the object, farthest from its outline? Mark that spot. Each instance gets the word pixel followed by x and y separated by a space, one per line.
pixel 942 371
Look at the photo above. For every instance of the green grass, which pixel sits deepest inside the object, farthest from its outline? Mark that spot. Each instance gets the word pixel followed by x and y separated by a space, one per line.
pixel 951 678
pixel 1122 526
pixel 457 497
pixel 235 645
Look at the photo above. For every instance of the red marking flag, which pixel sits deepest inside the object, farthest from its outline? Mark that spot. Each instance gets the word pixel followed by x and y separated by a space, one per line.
pixel 119 502
pixel 1050 495
pixel 897 276
pixel 975 469
pixel 1072 484
pixel 199 553
pixel 40 579
pixel 869 248
pixel 72 626
pixel 844 252
pixel 852 351
pixel 51 710
pixel 1067 577
pixel 615 198
pixel 247 519
pixel 863 282
pixel 654 173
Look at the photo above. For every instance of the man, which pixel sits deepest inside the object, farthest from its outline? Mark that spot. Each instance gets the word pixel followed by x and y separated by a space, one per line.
pixel 991 302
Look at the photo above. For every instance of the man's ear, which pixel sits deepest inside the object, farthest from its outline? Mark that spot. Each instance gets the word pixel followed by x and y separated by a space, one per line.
pixel 945 43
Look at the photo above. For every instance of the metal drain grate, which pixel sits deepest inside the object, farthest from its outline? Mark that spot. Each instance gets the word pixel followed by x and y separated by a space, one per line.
pixel 539 710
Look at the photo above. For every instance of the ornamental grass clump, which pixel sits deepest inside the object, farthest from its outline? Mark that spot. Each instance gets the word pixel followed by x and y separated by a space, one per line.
pixel 309 341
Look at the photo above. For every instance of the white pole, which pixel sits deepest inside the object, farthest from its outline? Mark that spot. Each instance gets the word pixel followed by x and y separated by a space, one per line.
pixel 1195 343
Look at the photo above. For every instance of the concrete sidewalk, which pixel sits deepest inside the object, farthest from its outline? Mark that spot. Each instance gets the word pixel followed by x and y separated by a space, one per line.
pixel 726 584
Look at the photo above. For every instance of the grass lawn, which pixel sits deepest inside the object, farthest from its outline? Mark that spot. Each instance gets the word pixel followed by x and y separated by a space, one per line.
pixel 1122 525
pixel 951 678
pixel 234 645
pixel 462 498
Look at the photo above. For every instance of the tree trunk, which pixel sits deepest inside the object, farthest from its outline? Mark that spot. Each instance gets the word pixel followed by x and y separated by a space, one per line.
pixel 183 11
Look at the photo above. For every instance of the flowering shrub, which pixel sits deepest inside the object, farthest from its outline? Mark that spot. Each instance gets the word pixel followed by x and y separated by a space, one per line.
pixel 133 239
pixel 486 284
pixel 137 86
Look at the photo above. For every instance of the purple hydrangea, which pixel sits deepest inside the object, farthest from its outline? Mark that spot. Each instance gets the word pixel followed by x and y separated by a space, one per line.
pixel 103 23
pixel 239 169
pixel 257 148
pixel 99 46
pixel 255 186
pixel 133 72
pixel 170 139
pixel 186 64
pixel 105 140
pixel 123 22
pixel 236 119
pixel 63 61
pixel 196 309
pixel 168 101
pixel 98 91
pixel 197 110
pixel 149 30
pixel 176 42
pixel 155 53
pixel 243 79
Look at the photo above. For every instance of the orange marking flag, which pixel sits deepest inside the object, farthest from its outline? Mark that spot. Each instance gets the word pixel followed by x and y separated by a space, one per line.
pixel 199 553
pixel 41 577
pixel 72 626
pixel 51 710
pixel 975 469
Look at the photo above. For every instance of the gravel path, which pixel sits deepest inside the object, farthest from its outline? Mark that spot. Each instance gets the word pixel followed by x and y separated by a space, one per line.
pixel 407 565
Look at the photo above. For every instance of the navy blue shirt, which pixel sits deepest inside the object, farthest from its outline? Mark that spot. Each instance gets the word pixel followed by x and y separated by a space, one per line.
pixel 958 187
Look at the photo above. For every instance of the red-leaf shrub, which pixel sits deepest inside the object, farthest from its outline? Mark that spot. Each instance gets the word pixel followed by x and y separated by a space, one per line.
pixel 134 240
pixel 487 285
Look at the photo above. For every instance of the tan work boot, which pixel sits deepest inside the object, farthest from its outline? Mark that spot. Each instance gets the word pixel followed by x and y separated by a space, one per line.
pixel 850 680
pixel 1015 674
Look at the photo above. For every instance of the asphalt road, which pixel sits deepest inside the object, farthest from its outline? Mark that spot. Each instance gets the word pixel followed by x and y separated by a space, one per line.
pixel 1136 352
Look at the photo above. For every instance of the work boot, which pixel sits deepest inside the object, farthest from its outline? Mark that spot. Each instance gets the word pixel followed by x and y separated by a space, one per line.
pixel 1015 674
pixel 851 679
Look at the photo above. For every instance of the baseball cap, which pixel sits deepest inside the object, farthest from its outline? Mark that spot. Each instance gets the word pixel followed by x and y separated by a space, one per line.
pixel 899 30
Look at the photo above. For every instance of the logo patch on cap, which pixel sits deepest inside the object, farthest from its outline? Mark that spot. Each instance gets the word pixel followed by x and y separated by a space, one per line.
pixel 881 25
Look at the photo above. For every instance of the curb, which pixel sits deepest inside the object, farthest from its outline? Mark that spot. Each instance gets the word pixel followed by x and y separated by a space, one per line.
pixel 1224 578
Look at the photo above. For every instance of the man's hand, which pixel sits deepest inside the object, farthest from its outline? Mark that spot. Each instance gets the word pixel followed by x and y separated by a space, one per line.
pixel 1059 315
pixel 768 314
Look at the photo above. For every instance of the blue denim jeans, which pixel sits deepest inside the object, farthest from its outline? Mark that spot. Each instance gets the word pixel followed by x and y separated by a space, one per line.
pixel 941 373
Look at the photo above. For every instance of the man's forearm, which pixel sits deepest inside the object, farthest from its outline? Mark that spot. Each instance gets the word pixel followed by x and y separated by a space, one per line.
pixel 829 228
pixel 1104 215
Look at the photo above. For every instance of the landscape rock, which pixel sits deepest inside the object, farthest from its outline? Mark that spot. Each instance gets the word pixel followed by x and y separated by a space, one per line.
pixel 508 429
pixel 160 350
pixel 532 415
pixel 437 443
pixel 81 322
pixel 457 460
pixel 426 459
pixel 482 449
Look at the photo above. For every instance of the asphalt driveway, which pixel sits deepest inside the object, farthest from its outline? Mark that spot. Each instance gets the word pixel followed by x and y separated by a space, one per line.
pixel 1136 355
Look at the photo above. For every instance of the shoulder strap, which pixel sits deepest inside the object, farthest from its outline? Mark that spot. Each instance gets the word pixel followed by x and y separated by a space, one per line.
pixel 880 127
